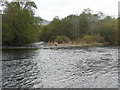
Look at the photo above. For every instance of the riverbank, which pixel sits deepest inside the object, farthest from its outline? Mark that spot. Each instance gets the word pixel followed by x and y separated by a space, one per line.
pixel 74 44
pixel 56 45
pixel 52 45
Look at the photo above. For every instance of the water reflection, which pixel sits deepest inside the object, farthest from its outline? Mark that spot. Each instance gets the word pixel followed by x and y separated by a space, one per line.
pixel 17 54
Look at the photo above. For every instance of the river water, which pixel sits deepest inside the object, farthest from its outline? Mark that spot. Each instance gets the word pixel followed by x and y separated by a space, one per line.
pixel 91 67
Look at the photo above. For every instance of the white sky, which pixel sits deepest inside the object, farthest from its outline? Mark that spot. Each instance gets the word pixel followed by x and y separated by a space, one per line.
pixel 48 9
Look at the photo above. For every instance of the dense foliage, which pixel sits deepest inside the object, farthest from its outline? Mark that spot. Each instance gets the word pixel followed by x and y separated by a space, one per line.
pixel 19 26
pixel 84 27
pixel 118 30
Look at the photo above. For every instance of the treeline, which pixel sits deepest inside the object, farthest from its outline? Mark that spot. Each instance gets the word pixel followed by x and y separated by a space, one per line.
pixel 86 27
pixel 19 25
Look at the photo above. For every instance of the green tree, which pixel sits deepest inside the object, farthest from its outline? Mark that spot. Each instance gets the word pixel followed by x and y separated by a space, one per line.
pixel 108 29
pixel 87 26
pixel 20 18
pixel 7 34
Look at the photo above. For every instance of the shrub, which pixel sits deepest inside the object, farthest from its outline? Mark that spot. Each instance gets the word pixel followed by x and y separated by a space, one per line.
pixel 98 38
pixel 61 39
pixel 7 35
pixel 93 38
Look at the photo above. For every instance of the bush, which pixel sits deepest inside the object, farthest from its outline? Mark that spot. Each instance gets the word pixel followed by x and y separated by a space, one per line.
pixel 98 38
pixel 61 39
pixel 7 35
pixel 93 38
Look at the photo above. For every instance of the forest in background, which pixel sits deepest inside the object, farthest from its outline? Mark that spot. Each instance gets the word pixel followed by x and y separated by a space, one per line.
pixel 20 26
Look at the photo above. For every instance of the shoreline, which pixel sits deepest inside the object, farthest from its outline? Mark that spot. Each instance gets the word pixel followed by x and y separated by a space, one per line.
pixel 52 46
pixel 55 45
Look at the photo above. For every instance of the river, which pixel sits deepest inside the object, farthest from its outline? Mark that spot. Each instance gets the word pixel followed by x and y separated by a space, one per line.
pixel 91 67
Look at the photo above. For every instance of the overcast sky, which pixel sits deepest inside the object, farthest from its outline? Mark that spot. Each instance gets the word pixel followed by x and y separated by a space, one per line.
pixel 48 9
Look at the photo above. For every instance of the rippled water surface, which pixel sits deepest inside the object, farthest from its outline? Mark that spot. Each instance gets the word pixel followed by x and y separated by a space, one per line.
pixel 59 68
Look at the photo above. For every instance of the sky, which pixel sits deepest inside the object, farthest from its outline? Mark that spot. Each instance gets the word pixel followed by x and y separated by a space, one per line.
pixel 48 9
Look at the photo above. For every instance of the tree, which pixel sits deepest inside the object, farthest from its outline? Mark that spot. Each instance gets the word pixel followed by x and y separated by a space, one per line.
pixel 87 26
pixel 20 18
pixel 118 31
pixel 7 34
pixel 108 29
